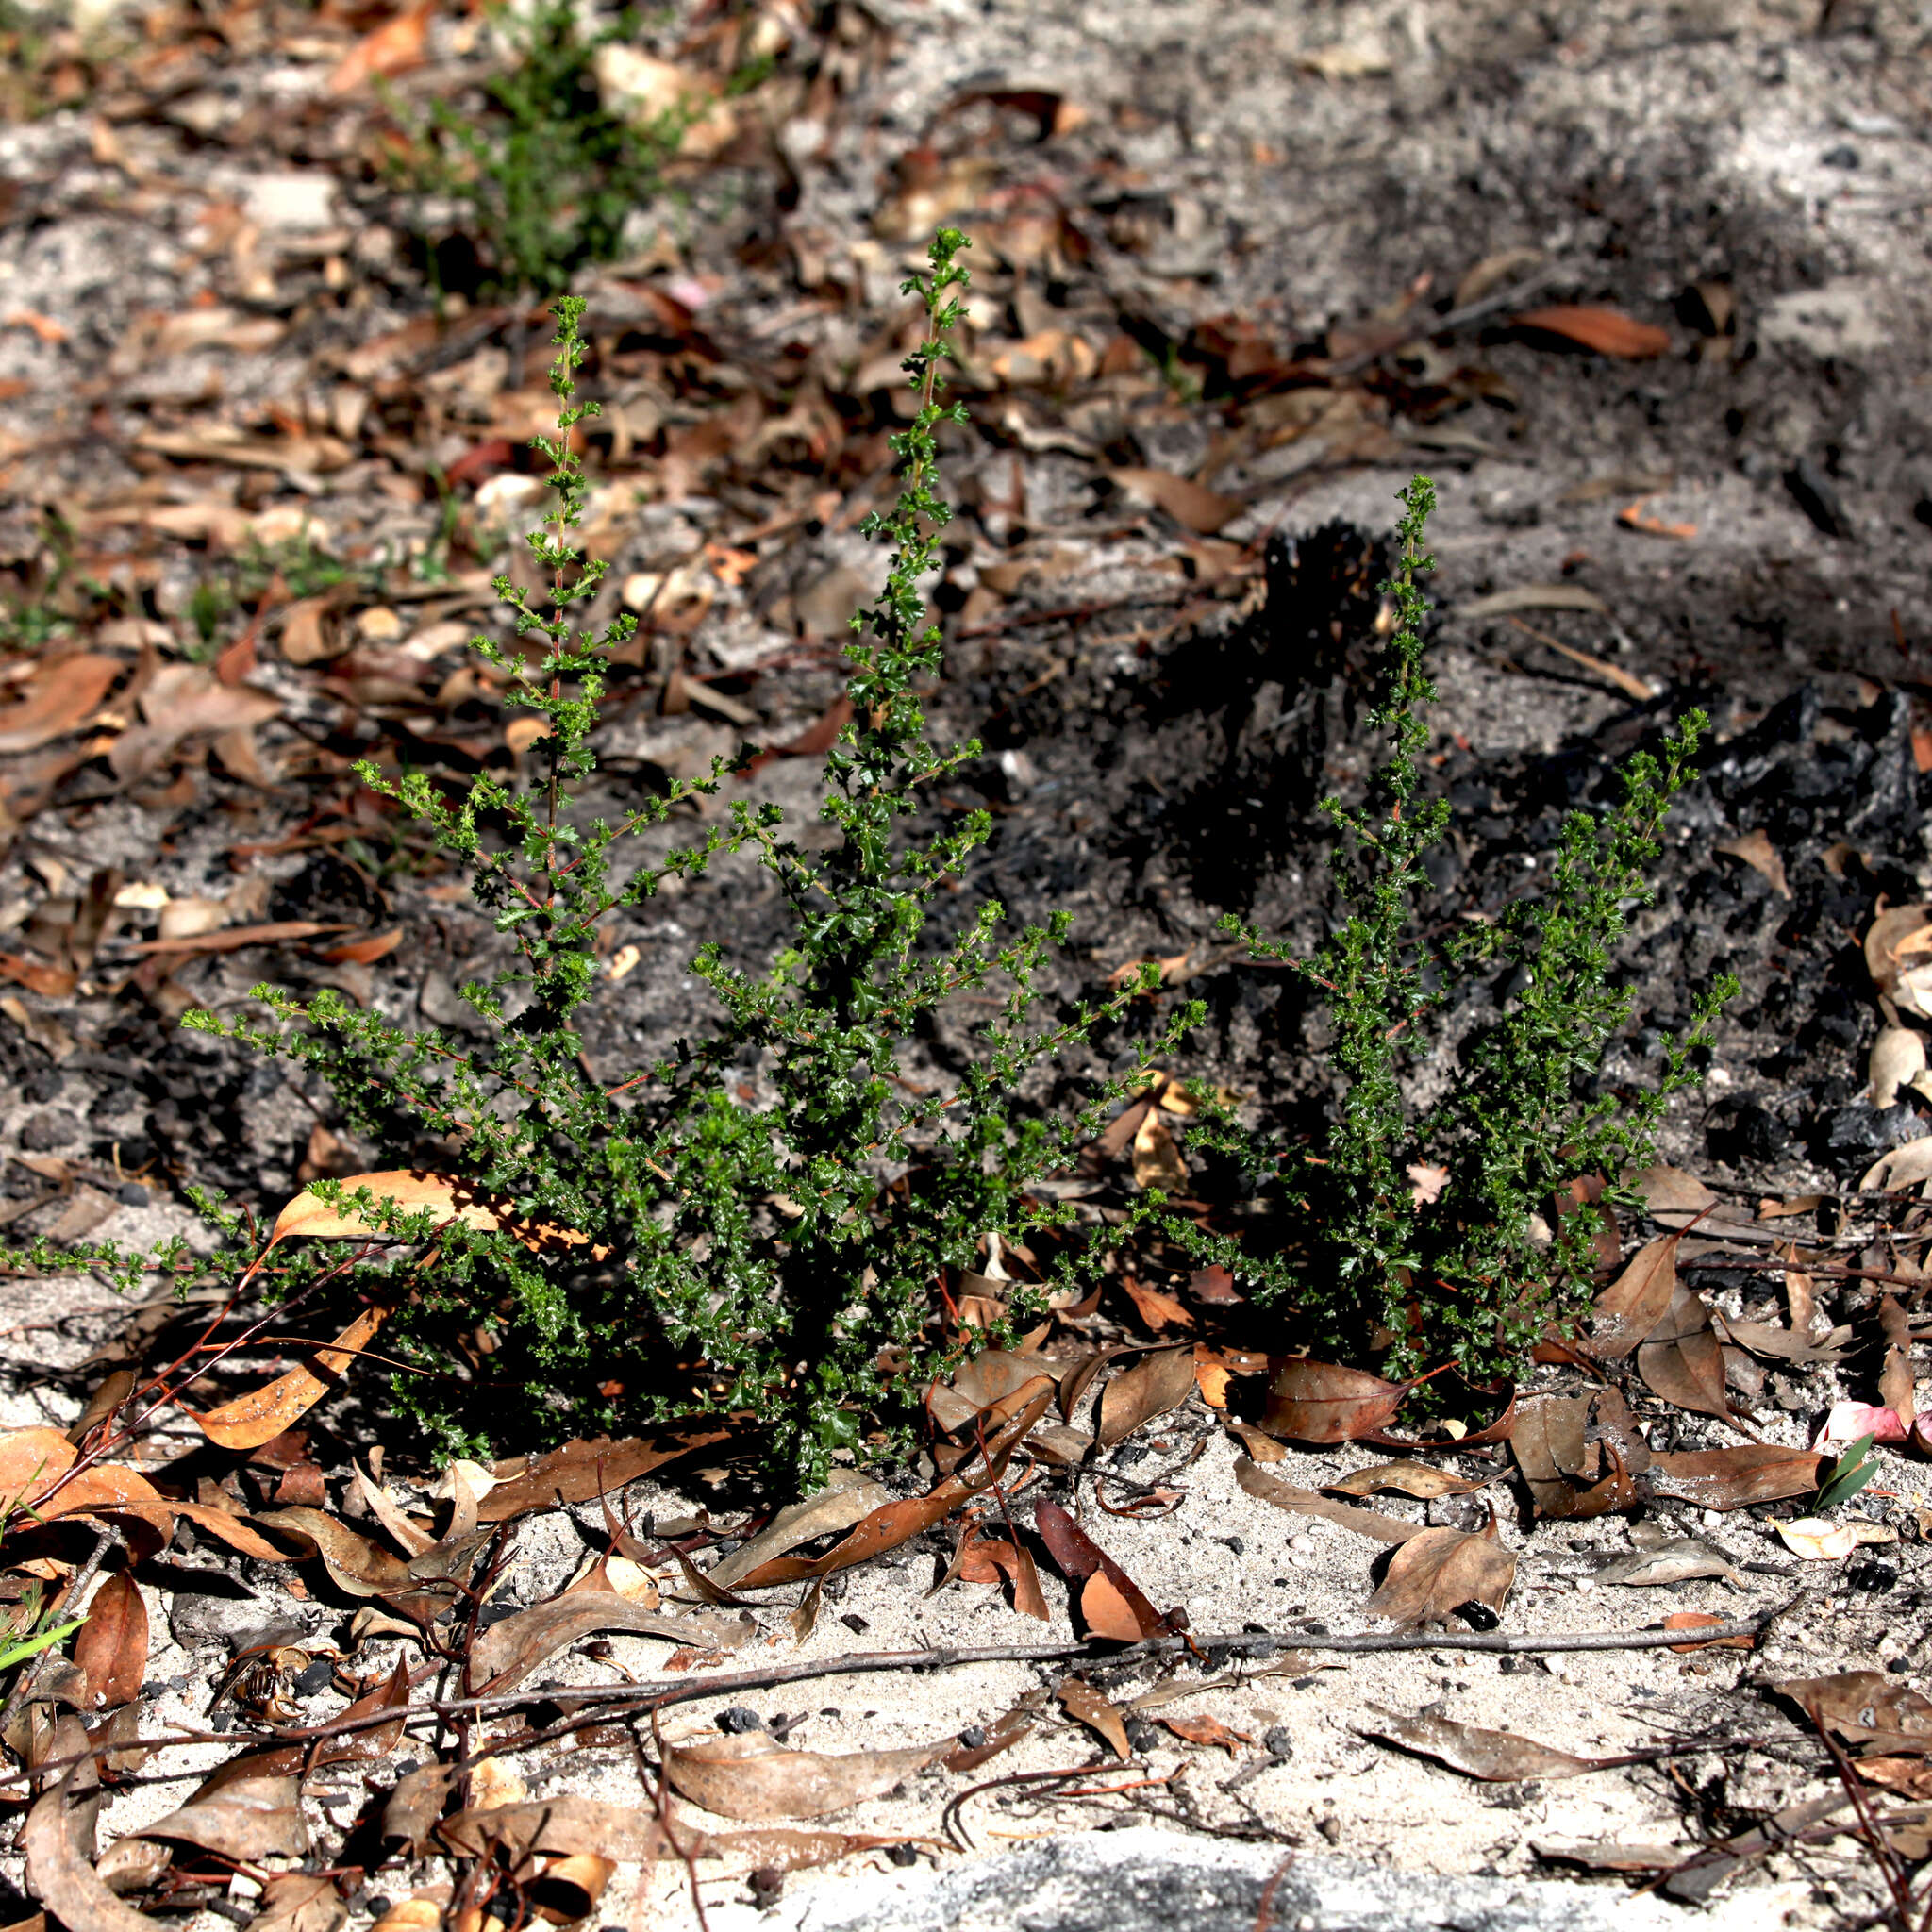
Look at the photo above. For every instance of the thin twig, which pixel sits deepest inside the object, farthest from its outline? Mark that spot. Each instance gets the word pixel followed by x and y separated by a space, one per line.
pixel 597 1703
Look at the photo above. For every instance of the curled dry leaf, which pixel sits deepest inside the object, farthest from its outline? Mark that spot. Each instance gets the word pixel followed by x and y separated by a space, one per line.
pixel 1405 1478
pixel 1084 1704
pixel 1636 1302
pixel 897 1523
pixel 1736 1478
pixel 581 1469
pixel 1848 1421
pixel 1206 1731
pixel 1681 1361
pixel 378 1741
pixel 1580 1456
pixel 1157 1383
pixel 1866 1707
pixel 410 1190
pixel 262 1414
pixel 1111 1603
pixel 754 1775
pixel 1898 956
pixel 848 1498
pixel 246 1818
pixel 1495 1757
pixel 1901 1168
pixel 1819 1541
pixel 111 1646
pixel 58 1840
pixel 183 701
pixel 1437 1572
pixel 1703 1620
pixel 1609 331
pixel 1157 1161
pixel 1322 1402
pixel 299 1902
pixel 508 1652
pixel 59 698
pixel 1898 1059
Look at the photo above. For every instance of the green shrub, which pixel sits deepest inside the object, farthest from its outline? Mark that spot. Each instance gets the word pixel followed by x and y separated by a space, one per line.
pixel 1474 1276
pixel 546 173
pixel 783 1260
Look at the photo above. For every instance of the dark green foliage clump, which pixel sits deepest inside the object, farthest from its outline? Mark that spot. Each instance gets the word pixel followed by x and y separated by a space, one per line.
pixel 546 175
pixel 1472 1277
pixel 782 1260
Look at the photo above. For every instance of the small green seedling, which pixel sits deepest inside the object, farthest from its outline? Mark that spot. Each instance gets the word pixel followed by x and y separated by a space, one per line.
pixel 1849 1474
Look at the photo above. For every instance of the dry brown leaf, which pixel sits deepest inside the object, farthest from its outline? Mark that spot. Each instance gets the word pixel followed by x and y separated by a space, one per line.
pixel 1322 1402
pixel 1895 1391
pixel 262 1414
pixel 111 1646
pixel 897 1523
pixel 299 1902
pixel 410 1190
pixel 1368 1523
pixel 58 1840
pixel 1156 1309
pixel 378 1741
pixel 1681 1359
pixel 182 701
pixel 1157 1161
pixel 109 1490
pixel 989 1559
pixel 1898 956
pixel 508 1652
pixel 59 696
pixel 30 1459
pixel 1193 506
pixel 754 1775
pixel 1495 1757
pixel 230 1529
pixel 1736 1478
pixel 1437 1572
pixel 244 1818
pixel 1609 331
pixel 1111 1603
pixel 1084 1704
pixel 1158 1382
pixel 235 938
pixel 1703 1620
pixel 848 1498
pixel 1206 1731
pixel 1867 1707
pixel 1636 1302
pixel 581 1469
pixel 394 47
pixel 1406 1478
pixel 1755 849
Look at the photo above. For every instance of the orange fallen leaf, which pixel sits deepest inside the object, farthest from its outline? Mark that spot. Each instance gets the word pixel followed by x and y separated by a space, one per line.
pixel 1699 1620
pixel 1632 517
pixel 392 48
pixel 411 1190
pixel 236 936
pixel 364 952
pixel 43 327
pixel 262 1414
pixel 1205 1730
pixel 1609 331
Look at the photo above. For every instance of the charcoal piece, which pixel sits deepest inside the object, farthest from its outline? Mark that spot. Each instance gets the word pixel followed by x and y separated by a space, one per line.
pixel 1863 1131
pixel 1815 493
